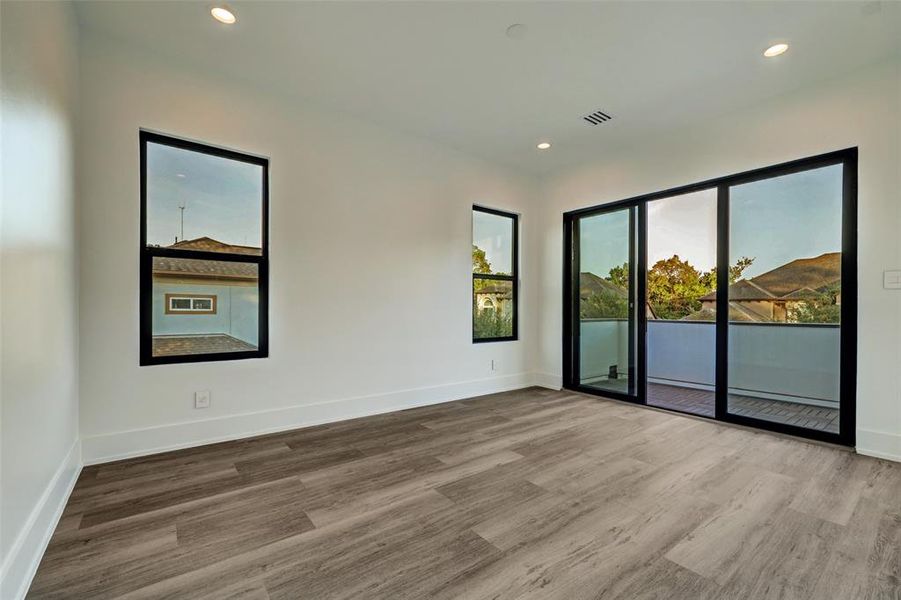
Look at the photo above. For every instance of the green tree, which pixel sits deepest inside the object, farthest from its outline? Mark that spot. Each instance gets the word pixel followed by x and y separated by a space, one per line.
pixel 480 262
pixel 620 276
pixel 675 287
pixel 735 272
pixel 820 308
pixel 491 323
pixel 604 305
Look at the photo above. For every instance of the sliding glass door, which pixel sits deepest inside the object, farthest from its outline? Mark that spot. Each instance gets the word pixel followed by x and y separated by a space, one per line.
pixel 681 307
pixel 785 325
pixel 733 299
pixel 605 302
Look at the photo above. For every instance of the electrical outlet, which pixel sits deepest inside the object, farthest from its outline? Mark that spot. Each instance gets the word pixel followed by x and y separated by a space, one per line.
pixel 202 399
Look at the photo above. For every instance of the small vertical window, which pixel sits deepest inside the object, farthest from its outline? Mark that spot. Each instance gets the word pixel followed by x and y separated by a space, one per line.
pixel 204 257
pixel 495 257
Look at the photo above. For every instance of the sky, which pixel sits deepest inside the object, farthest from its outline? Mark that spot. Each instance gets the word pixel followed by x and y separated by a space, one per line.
pixel 773 221
pixel 222 197
pixel 494 235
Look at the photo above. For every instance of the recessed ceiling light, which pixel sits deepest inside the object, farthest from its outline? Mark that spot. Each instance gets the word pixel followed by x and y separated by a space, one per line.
pixel 223 15
pixel 544 145
pixel 775 50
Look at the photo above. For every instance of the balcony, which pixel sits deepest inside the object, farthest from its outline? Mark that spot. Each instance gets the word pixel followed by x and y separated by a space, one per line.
pixel 785 373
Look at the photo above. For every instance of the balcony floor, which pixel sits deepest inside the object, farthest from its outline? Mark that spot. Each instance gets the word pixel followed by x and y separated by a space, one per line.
pixel 701 402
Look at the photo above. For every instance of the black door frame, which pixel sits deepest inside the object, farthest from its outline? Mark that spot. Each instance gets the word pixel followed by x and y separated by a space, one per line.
pixel 638 314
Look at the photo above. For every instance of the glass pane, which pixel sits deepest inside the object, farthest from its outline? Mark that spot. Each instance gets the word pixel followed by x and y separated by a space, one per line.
pixel 681 311
pixel 180 303
pixel 784 309
pixel 492 243
pixel 606 317
pixel 203 304
pixel 233 327
pixel 196 201
pixel 492 308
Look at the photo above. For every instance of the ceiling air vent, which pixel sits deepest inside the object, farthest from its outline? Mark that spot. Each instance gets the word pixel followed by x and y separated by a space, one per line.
pixel 596 118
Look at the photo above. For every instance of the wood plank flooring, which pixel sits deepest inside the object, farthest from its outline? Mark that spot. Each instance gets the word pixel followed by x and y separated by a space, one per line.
pixel 526 494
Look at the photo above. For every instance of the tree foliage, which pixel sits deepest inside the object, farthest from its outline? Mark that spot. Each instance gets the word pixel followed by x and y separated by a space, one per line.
pixel 491 324
pixel 820 308
pixel 674 289
pixel 480 262
pixel 604 305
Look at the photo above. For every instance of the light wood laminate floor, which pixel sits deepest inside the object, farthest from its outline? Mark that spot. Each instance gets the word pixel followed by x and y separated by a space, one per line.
pixel 526 494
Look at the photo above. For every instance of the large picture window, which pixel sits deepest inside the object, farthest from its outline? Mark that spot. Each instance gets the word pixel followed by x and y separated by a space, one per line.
pixel 495 257
pixel 204 255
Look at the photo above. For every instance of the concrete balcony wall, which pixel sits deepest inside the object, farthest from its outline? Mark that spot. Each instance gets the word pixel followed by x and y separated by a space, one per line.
pixel 797 363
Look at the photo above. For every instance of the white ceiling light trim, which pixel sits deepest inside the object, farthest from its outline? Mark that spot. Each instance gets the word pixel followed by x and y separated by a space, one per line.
pixel 775 50
pixel 223 15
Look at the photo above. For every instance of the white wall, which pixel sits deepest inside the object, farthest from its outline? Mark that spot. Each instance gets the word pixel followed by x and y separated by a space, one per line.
pixel 860 110
pixel 370 269
pixel 39 455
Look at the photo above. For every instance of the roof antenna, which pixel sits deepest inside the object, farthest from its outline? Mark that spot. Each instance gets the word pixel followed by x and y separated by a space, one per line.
pixel 181 207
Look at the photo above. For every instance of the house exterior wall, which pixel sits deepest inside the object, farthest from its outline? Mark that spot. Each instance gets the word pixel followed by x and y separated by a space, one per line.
pixel 237 310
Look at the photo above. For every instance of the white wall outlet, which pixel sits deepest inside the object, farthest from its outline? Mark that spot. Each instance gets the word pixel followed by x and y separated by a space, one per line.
pixel 891 280
pixel 202 399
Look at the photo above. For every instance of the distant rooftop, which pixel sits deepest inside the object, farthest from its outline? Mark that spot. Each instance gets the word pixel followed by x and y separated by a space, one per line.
pixel 208 244
pixel 207 269
pixel 799 279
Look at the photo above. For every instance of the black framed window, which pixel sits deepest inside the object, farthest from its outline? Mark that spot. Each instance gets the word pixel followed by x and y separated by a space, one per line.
pixel 495 275
pixel 204 252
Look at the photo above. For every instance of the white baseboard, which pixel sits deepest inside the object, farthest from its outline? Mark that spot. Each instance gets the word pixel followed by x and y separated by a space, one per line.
pixel 25 555
pixel 880 444
pixel 141 442
pixel 547 380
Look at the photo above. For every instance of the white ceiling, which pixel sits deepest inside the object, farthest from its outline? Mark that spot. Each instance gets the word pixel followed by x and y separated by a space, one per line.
pixel 447 71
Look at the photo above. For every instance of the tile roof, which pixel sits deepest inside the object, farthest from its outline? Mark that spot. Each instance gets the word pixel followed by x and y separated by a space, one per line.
pixel 210 269
pixel 801 278
pixel 208 244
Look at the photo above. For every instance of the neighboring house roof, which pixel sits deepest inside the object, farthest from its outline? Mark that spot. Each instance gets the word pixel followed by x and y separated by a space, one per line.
pixel 594 285
pixel 591 285
pixel 206 269
pixel 496 289
pixel 736 313
pixel 208 244
pixel 802 294
pixel 797 280
pixel 744 289
pixel 810 273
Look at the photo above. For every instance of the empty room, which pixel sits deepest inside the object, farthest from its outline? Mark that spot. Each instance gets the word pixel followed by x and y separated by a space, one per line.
pixel 446 300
